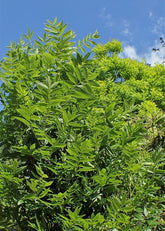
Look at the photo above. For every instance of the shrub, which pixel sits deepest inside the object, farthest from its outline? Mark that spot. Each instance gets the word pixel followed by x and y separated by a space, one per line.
pixel 71 157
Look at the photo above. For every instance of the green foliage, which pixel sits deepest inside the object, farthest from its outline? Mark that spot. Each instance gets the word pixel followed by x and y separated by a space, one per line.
pixel 114 47
pixel 77 150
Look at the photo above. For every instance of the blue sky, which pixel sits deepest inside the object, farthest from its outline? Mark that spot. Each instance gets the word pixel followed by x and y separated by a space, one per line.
pixel 138 24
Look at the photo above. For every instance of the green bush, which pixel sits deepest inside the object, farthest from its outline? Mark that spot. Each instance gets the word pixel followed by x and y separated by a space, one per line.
pixel 75 148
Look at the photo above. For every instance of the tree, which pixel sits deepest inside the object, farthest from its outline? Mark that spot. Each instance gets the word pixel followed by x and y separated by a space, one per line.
pixel 76 150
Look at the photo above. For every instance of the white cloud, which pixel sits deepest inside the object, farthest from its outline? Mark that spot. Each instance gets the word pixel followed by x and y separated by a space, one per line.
pixel 155 57
pixel 106 17
pixel 126 30
pixel 150 14
pixel 158 26
pixel 130 52
pixel 150 56
pixel 157 23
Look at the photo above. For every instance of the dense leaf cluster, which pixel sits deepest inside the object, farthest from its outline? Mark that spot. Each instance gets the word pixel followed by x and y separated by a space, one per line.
pixel 77 150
